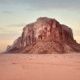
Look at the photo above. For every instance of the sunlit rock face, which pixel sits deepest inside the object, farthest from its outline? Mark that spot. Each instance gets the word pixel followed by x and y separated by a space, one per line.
pixel 46 35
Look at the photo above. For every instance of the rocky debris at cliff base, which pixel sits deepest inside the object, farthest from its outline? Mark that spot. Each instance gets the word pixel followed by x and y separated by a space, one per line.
pixel 46 35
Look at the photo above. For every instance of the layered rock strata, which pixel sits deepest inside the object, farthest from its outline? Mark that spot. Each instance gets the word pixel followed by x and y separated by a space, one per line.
pixel 46 35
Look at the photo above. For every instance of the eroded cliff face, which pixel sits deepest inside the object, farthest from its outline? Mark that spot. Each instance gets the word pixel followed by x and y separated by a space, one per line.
pixel 46 35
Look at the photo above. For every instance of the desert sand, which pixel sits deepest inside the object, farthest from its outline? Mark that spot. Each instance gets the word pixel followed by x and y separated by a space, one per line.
pixel 40 66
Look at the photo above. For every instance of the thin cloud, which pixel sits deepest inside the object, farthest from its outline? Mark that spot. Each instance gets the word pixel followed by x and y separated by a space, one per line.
pixel 46 4
pixel 7 32
pixel 6 12
pixel 2 29
pixel 17 25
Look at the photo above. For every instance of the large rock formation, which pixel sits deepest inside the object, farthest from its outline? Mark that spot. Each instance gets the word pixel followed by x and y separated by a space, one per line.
pixel 46 35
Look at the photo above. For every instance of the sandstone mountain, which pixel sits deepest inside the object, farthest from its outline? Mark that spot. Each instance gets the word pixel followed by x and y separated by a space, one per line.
pixel 46 35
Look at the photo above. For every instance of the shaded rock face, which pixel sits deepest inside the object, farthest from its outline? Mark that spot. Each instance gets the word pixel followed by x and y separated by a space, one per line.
pixel 46 35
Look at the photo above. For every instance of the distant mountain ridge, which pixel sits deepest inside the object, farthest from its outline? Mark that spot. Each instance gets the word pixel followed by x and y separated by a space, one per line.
pixel 46 35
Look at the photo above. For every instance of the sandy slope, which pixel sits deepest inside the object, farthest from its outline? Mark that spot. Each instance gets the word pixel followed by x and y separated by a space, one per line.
pixel 40 67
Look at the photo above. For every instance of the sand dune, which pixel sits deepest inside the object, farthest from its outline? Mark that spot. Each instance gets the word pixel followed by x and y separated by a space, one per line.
pixel 39 66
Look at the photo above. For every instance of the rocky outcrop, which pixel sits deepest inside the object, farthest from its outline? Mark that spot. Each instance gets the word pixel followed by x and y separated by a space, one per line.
pixel 46 35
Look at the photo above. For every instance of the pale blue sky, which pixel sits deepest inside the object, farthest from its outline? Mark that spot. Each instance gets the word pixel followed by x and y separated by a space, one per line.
pixel 15 14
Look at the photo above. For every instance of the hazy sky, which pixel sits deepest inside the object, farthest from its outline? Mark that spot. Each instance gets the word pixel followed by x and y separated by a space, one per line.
pixel 15 14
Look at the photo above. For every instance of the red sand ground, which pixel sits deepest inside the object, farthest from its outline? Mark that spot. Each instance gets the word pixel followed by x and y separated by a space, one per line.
pixel 40 67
